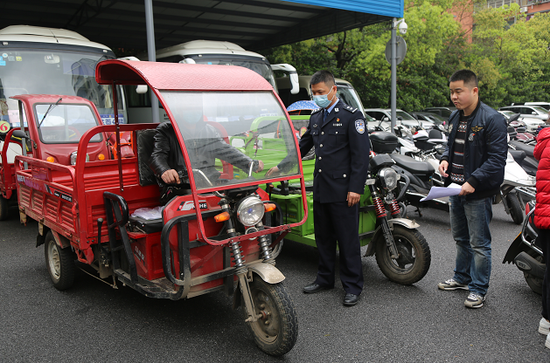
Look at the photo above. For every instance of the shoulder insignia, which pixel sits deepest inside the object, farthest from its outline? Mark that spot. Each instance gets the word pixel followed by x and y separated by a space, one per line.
pixel 316 110
pixel 350 109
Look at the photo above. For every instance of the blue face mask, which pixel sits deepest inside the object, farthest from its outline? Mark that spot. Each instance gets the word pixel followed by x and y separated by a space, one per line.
pixel 322 100
pixel 192 116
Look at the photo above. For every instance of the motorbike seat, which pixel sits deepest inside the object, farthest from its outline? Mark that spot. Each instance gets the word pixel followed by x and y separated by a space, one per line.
pixel 518 155
pixel 529 149
pixel 414 166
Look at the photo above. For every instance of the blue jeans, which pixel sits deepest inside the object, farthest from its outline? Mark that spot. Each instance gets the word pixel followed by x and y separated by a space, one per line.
pixel 470 228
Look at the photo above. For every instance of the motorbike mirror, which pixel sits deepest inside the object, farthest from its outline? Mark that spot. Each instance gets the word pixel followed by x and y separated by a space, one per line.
pixel 513 118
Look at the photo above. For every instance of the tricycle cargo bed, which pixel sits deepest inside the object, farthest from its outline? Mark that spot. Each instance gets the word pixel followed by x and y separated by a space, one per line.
pixel 69 199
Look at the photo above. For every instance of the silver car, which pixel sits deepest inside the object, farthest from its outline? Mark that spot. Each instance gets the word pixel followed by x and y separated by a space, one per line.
pixel 403 118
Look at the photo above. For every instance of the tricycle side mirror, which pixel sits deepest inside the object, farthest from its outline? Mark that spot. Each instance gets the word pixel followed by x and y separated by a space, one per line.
pixel 20 134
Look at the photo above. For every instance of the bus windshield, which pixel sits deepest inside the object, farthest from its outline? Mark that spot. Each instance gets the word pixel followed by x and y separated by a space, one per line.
pixel 52 71
pixel 255 64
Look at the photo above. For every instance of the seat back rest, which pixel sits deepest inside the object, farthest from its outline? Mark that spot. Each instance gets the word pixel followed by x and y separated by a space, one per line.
pixel 145 146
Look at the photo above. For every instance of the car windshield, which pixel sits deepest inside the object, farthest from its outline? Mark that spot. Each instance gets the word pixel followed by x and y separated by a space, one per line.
pixel 64 123
pixel 225 132
pixel 540 110
pixel 349 96
pixel 404 116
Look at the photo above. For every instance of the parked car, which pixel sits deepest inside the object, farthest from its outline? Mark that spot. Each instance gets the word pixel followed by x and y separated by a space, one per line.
pixel 443 111
pixel 403 118
pixel 545 105
pixel 528 111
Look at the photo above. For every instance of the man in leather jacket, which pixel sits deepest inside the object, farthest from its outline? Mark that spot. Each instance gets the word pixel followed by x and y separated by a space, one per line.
pixel 204 145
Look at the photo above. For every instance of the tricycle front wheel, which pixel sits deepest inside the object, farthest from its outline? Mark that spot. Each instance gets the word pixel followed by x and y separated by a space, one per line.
pixel 60 263
pixel 414 257
pixel 276 330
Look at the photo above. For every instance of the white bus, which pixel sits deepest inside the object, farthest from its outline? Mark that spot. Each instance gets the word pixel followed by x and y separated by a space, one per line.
pixel 206 52
pixel 37 60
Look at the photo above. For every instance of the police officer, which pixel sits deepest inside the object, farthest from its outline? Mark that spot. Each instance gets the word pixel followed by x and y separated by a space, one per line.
pixel 339 134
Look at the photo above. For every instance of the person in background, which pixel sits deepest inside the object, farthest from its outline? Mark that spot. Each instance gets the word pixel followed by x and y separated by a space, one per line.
pixel 474 158
pixel 542 222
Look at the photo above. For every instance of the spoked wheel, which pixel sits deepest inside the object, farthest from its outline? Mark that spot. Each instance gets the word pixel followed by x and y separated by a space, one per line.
pixel 276 331
pixel 60 263
pixel 514 205
pixel 414 257
pixel 4 207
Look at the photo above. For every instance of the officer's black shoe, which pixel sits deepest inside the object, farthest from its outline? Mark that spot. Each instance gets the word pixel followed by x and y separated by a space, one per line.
pixel 351 299
pixel 315 287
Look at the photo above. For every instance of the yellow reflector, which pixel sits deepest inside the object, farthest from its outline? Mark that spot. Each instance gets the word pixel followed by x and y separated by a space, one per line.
pixel 50 159
pixel 101 157
pixel 269 207
pixel 222 217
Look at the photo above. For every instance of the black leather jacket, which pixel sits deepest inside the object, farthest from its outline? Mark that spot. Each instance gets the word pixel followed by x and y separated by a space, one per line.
pixel 203 149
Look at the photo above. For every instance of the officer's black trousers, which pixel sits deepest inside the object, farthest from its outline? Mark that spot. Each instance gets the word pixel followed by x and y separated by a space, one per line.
pixel 338 222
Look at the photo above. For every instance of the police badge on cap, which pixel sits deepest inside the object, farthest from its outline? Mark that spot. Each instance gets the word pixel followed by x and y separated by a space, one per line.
pixel 360 126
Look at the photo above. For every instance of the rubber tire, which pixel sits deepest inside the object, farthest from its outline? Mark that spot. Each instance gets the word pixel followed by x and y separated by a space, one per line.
pixel 407 240
pixel 279 335
pixel 534 283
pixel 4 208
pixel 60 263
pixel 512 199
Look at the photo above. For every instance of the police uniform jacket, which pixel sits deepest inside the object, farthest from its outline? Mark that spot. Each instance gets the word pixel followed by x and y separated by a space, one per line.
pixel 341 152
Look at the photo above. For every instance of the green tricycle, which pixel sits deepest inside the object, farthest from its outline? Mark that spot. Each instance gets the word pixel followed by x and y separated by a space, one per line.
pixel 402 252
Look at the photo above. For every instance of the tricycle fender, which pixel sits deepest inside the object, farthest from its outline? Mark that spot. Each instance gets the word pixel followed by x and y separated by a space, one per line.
pixel 267 272
pixel 405 222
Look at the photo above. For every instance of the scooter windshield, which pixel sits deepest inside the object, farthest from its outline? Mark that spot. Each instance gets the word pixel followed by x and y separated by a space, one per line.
pixel 233 137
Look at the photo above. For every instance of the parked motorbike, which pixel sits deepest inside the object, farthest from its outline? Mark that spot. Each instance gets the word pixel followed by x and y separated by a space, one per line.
pixel 526 252
pixel 421 174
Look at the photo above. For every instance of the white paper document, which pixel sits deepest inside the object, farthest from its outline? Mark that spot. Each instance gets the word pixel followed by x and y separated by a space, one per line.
pixel 440 192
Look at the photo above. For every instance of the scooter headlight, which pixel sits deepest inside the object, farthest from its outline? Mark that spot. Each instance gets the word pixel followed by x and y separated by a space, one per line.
pixel 389 178
pixel 250 211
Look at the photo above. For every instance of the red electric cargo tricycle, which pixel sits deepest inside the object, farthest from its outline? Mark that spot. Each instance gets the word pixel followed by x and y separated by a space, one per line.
pixel 52 133
pixel 218 232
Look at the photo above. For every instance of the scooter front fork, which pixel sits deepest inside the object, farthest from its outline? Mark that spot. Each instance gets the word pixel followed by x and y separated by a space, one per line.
pixel 242 272
pixel 386 231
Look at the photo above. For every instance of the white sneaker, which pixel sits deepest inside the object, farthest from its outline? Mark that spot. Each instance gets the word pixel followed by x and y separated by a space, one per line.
pixel 474 301
pixel 547 343
pixel 544 327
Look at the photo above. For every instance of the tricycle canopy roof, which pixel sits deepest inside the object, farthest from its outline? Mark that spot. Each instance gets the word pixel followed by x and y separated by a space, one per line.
pixel 35 98
pixel 180 77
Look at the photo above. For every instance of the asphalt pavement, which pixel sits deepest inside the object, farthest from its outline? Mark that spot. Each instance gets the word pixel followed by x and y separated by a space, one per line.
pixel 93 322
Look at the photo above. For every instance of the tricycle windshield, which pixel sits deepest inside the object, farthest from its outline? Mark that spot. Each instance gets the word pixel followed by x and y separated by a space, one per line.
pixel 232 137
pixel 64 123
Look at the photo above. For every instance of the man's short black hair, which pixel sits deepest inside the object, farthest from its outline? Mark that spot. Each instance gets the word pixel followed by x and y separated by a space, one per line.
pixel 322 76
pixel 467 76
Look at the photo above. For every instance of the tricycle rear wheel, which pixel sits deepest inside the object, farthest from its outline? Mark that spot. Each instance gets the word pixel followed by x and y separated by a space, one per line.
pixel 414 256
pixel 60 263
pixel 4 207
pixel 276 331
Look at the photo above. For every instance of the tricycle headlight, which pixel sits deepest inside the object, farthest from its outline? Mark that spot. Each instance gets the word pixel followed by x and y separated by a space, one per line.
pixel 250 211
pixel 389 178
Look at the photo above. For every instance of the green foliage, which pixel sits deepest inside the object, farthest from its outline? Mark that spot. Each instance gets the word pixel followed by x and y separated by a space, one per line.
pixel 509 53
